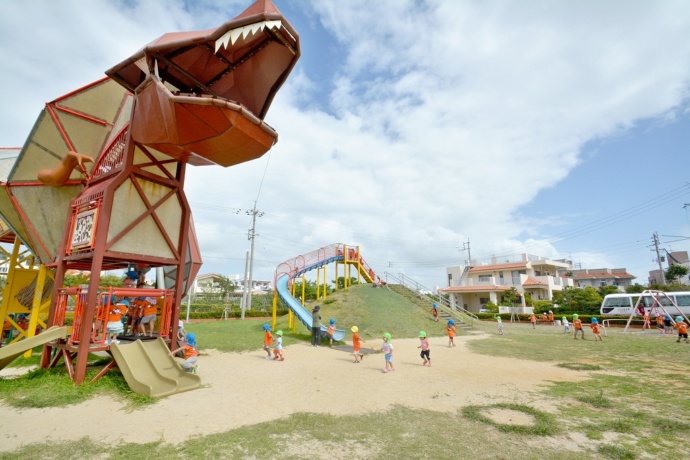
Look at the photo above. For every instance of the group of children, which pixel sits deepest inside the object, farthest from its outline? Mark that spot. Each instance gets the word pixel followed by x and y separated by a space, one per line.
pixel 139 315
pixel 425 353
pixel 276 341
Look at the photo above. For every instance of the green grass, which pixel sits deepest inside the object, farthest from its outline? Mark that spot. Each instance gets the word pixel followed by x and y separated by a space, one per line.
pixel 631 404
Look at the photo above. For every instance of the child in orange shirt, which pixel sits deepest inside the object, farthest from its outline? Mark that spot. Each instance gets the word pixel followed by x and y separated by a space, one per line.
pixel 356 339
pixel 533 320
pixel 114 327
pixel 646 324
pixel 450 330
pixel 434 311
pixel 268 340
pixel 660 323
pixel 7 328
pixel 682 327
pixel 191 354
pixel 577 325
pixel 595 330
pixel 148 316
pixel 330 331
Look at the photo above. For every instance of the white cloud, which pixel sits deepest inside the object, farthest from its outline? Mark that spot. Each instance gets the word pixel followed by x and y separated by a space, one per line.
pixel 443 119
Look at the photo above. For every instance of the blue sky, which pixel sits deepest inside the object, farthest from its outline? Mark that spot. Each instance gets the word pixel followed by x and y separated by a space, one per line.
pixel 560 129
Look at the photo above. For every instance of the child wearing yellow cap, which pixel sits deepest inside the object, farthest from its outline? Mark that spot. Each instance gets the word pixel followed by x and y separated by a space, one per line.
pixel 356 339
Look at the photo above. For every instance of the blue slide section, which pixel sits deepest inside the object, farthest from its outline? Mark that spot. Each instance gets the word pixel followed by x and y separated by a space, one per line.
pixel 302 313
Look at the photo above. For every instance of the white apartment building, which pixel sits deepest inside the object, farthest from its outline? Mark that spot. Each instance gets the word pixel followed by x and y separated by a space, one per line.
pixel 473 286
pixel 208 284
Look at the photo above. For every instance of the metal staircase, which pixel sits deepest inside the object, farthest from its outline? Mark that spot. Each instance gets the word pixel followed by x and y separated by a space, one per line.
pixel 417 293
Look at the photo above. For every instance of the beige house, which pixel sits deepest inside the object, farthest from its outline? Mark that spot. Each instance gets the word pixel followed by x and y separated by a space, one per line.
pixel 473 286
pixel 598 277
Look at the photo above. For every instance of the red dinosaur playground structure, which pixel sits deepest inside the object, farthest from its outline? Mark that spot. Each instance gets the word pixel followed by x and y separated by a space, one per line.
pixel 99 183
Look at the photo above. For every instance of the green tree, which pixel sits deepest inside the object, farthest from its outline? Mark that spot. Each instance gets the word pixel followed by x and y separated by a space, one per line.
pixel 635 288
pixel 606 290
pixel 675 272
pixel 587 300
pixel 226 286
pixel 511 297
pixel 309 289
pixel 110 280
pixel 341 282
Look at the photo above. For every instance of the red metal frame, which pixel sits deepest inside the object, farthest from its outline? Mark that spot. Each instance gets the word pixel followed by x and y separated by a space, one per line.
pixel 98 336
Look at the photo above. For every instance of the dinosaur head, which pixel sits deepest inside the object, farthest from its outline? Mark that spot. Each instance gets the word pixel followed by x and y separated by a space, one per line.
pixel 191 86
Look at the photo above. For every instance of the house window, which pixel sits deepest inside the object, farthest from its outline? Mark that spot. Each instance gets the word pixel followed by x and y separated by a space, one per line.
pixel 484 278
pixel 602 283
pixel 450 279
pixel 483 300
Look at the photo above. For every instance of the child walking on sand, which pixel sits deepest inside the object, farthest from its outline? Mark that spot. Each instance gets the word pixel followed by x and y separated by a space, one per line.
pixel 387 349
pixel 450 330
pixel 330 331
pixel 595 330
pixel 278 349
pixel 268 340
pixel 577 325
pixel 356 339
pixel 424 345
pixel 191 354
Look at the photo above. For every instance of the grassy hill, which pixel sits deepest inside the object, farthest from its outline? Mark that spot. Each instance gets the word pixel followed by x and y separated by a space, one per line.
pixel 376 311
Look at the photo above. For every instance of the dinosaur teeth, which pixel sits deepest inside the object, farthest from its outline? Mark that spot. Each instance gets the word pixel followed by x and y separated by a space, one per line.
pixel 232 35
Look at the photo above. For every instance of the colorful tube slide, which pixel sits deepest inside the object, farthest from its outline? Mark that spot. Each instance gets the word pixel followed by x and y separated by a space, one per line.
pixel 295 305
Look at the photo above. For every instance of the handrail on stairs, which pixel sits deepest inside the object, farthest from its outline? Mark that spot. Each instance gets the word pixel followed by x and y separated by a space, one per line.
pixel 415 286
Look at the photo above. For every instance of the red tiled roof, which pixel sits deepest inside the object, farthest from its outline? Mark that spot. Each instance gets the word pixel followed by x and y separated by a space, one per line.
pixel 533 282
pixel 483 268
pixel 585 276
pixel 485 288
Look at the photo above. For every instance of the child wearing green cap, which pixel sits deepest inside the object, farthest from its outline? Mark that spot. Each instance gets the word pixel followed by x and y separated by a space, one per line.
pixel 577 326
pixel 499 324
pixel 424 345
pixel 278 349
pixel 387 349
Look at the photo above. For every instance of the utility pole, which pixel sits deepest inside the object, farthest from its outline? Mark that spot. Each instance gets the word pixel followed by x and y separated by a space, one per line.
pixel 466 247
pixel 658 257
pixel 252 236
pixel 245 291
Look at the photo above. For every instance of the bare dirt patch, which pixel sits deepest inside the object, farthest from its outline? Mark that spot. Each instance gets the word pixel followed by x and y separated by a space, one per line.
pixel 242 389
pixel 509 417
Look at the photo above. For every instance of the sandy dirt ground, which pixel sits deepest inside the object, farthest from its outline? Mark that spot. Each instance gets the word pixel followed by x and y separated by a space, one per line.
pixel 241 389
